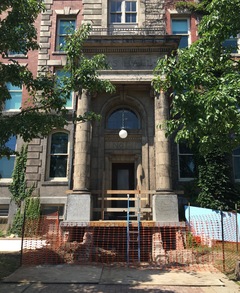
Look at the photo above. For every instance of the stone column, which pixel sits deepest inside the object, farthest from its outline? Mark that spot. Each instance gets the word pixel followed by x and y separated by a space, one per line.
pixel 165 202
pixel 82 147
pixel 162 146
pixel 79 201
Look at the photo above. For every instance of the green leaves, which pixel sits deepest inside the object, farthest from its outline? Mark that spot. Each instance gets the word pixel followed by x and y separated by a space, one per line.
pixel 204 86
pixel 45 106
pixel 18 187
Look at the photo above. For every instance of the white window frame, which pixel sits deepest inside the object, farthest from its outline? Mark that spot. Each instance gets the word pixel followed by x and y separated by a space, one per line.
pixel 58 35
pixel 179 170
pixel 123 13
pixel 20 90
pixel 49 155
pixel 174 17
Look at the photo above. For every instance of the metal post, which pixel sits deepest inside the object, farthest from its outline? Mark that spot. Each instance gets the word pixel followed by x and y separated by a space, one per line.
pixel 223 248
pixel 23 232
pixel 236 208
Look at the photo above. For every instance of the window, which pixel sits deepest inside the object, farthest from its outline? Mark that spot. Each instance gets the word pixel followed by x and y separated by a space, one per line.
pixel 181 27
pixel 231 44
pixel 7 164
pixel 186 164
pixel 4 210
pixel 64 28
pixel 61 74
pixel 123 118
pixel 48 209
pixel 16 98
pixel 58 155
pixel 236 163
pixel 123 11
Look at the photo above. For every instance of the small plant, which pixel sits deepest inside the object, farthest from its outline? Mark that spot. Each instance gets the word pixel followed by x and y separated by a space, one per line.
pixel 2 233
pixel 193 241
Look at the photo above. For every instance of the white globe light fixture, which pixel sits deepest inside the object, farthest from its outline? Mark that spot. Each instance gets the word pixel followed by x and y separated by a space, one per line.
pixel 123 133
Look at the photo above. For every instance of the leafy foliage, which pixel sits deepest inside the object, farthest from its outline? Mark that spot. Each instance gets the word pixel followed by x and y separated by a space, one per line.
pixel 44 108
pixel 216 189
pixel 18 186
pixel 21 194
pixel 204 85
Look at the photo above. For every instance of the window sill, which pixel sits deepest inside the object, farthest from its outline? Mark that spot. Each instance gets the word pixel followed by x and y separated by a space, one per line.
pixel 55 183
pixel 5 182
pixel 59 53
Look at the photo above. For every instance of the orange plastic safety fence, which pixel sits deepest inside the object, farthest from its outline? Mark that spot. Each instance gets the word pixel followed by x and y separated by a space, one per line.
pixel 160 246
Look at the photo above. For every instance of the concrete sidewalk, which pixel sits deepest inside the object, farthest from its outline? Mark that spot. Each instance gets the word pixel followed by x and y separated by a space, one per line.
pixel 89 278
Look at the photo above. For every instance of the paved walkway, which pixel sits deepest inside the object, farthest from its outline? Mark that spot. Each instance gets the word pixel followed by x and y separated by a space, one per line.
pixel 110 279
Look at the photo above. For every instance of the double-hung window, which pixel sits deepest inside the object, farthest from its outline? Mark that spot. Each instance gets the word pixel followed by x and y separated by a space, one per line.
pixel 61 75
pixel 123 11
pixel 180 26
pixel 58 155
pixel 64 28
pixel 186 163
pixel 236 164
pixel 7 164
pixel 13 104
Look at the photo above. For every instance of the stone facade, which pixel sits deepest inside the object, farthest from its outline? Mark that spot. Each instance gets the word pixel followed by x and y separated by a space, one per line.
pixel 95 151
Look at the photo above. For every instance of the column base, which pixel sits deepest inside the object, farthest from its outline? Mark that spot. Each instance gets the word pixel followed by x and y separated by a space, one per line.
pixel 165 207
pixel 78 207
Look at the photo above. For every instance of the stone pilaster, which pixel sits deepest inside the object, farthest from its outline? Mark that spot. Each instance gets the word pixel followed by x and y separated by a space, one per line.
pixel 162 145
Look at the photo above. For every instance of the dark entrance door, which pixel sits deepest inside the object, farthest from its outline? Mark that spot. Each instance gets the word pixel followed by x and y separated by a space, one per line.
pixel 122 179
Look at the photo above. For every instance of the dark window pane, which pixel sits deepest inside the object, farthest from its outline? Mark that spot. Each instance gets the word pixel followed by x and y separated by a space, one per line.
pixel 236 167
pixel 187 166
pixel 183 42
pixel 58 166
pixel 231 44
pixel 50 209
pixel 131 17
pixel 236 152
pixel 184 149
pixel 179 26
pixel 6 167
pixel 123 119
pixel 59 143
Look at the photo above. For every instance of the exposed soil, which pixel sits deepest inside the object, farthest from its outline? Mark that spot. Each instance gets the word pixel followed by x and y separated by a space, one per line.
pixel 9 262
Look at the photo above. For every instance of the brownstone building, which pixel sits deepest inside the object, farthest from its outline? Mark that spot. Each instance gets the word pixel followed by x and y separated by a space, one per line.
pixel 73 167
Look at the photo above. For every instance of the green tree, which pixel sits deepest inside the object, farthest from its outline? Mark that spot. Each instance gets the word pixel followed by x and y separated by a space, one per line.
pixel 45 108
pixel 204 86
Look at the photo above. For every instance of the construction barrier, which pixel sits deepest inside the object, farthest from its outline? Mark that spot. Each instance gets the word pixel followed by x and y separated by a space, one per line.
pixel 164 246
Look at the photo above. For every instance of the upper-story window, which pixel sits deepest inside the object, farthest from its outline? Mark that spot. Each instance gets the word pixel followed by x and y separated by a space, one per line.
pixel 231 44
pixel 61 75
pixel 236 163
pixel 180 26
pixel 7 164
pixel 186 163
pixel 123 118
pixel 13 104
pixel 58 155
pixel 64 27
pixel 123 11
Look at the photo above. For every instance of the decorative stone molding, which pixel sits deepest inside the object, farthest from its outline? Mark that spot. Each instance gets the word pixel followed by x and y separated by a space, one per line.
pixel 67 11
